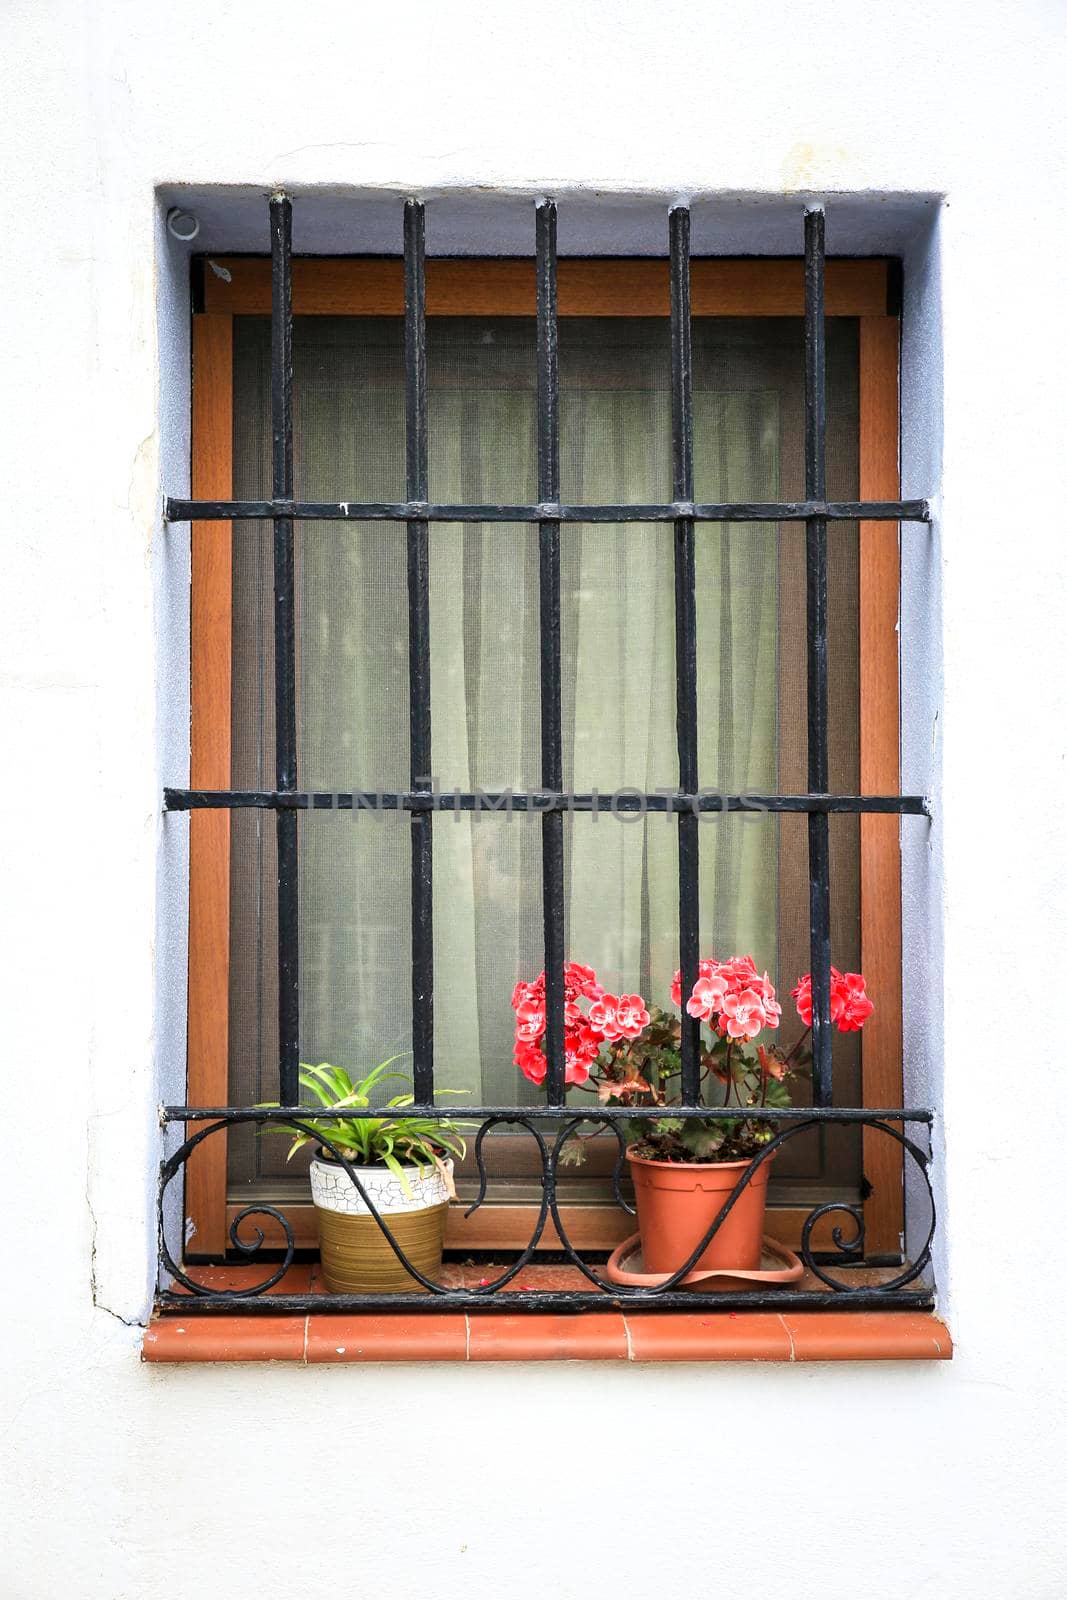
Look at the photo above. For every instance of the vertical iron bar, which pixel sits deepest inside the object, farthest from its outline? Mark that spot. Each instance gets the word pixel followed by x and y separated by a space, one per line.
pixel 818 703
pixel 551 696
pixel 685 643
pixel 419 651
pixel 281 406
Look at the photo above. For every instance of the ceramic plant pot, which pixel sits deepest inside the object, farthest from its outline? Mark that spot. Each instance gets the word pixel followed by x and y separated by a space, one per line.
pixel 356 1256
pixel 677 1201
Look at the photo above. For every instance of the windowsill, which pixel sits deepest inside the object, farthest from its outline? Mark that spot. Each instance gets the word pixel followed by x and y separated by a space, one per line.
pixel 341 1337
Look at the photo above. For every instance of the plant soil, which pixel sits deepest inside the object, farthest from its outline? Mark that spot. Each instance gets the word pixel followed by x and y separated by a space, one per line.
pixel 669 1147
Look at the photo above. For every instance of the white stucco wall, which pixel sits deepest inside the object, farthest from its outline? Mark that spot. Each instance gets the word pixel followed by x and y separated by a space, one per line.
pixel 127 1481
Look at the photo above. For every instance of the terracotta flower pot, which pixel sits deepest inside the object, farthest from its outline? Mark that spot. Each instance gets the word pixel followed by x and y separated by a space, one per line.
pixel 356 1256
pixel 677 1201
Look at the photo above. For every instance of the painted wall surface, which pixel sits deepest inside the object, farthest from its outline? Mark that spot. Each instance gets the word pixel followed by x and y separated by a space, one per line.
pixel 814 1483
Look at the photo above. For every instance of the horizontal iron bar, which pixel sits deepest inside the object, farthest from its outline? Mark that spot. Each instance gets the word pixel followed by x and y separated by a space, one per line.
pixel 708 801
pixel 547 511
pixel 606 1114
pixel 524 1300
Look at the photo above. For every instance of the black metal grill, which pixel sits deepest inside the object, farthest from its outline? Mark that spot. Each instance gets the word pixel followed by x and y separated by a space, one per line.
pixel 421 801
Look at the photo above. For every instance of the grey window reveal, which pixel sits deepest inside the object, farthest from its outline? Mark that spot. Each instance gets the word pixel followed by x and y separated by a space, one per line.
pixel 750 450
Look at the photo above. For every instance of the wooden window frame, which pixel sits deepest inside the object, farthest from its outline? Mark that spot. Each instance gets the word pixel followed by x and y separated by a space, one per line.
pixel 604 287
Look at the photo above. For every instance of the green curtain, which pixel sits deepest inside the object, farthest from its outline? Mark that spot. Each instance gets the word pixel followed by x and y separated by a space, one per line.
pixel 737 662
pixel 619 709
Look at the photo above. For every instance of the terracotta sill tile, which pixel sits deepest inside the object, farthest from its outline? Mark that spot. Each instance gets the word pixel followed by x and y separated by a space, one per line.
pixel 453 1276
pixel 325 1337
pixel 555 1278
pixel 716 1336
pixel 217 1337
pixel 590 1336
pixel 867 1336
pixel 551 1277
pixel 414 1336
pixel 297 1280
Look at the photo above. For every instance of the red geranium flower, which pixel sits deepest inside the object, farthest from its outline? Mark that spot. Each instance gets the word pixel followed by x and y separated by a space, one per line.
pixel 707 997
pixel 850 1005
pixel 609 1017
pixel 732 997
pixel 742 1015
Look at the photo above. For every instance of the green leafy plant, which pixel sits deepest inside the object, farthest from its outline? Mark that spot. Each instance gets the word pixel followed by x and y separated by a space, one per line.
pixel 390 1140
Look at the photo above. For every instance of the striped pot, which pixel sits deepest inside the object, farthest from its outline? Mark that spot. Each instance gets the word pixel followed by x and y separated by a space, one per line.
pixel 356 1256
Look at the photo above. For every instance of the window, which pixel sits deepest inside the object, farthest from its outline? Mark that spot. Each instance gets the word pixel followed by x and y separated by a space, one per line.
pixel 541 610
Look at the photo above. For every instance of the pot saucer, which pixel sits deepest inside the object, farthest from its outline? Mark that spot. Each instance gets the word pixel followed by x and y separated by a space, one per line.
pixel 779 1264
